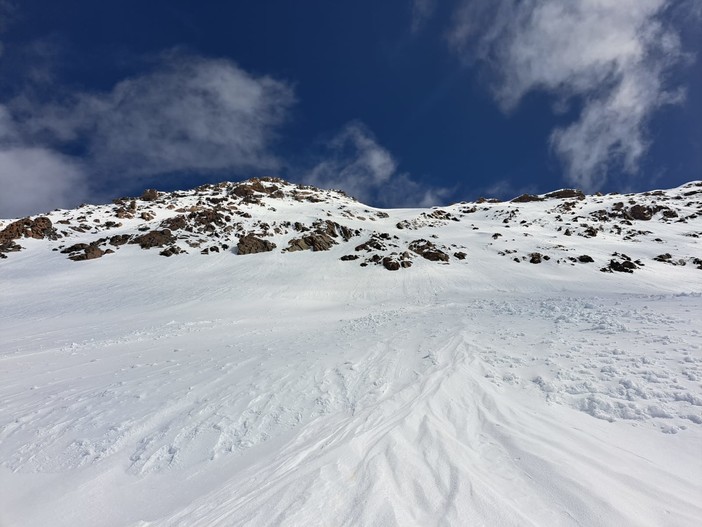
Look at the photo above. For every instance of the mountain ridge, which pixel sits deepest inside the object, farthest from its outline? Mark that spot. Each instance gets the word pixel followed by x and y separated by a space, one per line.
pixel 270 214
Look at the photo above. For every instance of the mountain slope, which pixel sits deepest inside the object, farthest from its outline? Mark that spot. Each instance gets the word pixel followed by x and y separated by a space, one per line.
pixel 291 387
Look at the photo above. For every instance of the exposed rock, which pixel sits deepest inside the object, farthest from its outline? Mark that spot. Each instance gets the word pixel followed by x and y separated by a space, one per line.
pixel 170 251
pixel 460 255
pixel 333 229
pixel 525 198
pixel 619 267
pixel 75 248
pixel 9 247
pixel 391 264
pixel 119 239
pixel 90 252
pixel 665 258
pixel 375 243
pixel 349 257
pixel 149 195
pixel 251 245
pixel 38 228
pixel 639 212
pixel 175 223
pixel 157 238
pixel 585 259
pixel 566 193
pixel 297 244
pixel 428 250
pixel 317 241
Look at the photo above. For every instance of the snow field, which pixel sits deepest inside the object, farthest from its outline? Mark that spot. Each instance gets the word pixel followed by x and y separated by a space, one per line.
pixel 260 394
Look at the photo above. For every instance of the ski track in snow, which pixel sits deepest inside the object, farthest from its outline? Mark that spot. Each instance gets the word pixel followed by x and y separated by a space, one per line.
pixel 395 415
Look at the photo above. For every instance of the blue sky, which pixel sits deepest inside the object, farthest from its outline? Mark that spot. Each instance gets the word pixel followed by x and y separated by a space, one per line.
pixel 400 103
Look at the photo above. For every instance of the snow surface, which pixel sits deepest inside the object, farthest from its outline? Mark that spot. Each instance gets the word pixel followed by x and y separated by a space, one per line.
pixel 296 389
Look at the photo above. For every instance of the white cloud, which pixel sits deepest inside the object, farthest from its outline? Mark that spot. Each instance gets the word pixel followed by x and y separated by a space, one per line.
pixel 37 180
pixel 354 162
pixel 190 114
pixel 613 56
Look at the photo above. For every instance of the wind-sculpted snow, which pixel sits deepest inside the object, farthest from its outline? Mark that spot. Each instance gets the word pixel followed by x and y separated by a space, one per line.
pixel 293 388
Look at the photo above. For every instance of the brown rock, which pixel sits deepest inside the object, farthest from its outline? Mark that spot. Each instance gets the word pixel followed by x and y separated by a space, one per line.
pixel 251 245
pixel 38 228
pixel 157 238
pixel 149 195
pixel 524 198
pixel 390 264
pixel 639 212
pixel 428 250
pixel 566 193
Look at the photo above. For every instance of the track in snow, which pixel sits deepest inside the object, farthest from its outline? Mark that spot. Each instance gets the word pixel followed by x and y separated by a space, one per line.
pixel 439 407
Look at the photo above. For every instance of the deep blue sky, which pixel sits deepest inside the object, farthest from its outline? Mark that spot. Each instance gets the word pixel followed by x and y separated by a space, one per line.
pixel 426 101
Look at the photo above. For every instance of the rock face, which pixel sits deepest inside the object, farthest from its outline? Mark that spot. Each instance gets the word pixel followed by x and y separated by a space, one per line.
pixel 38 228
pixel 251 245
pixel 149 195
pixel 317 241
pixel 639 212
pixel 428 250
pixel 566 193
pixel 525 198
pixel 157 238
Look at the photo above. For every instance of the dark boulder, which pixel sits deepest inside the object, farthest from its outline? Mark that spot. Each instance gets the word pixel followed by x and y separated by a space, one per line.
pixel 149 195
pixel 639 212
pixel 251 245
pixel 428 250
pixel 525 198
pixel 566 193
pixel 391 264
pixel 157 238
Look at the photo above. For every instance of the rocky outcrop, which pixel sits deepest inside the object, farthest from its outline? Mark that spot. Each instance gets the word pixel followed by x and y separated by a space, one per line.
pixel 38 228
pixel 157 238
pixel 525 198
pixel 149 195
pixel 566 193
pixel 317 241
pixel 639 212
pixel 428 250
pixel 252 245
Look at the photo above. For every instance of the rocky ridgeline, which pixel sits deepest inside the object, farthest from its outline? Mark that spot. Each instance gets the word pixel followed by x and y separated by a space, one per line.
pixel 269 214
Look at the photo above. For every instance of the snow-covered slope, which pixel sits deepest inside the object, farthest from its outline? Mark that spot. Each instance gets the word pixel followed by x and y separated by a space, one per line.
pixel 455 366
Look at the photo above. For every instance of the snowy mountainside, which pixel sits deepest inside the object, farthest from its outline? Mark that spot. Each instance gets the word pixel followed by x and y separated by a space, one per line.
pixel 660 229
pixel 262 353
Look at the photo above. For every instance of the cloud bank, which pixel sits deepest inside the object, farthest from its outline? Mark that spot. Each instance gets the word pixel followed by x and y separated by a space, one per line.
pixel 612 57
pixel 354 161
pixel 190 114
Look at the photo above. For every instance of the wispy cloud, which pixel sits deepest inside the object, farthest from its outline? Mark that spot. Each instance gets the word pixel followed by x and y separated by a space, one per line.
pixel 354 161
pixel 189 114
pixel 422 11
pixel 614 57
